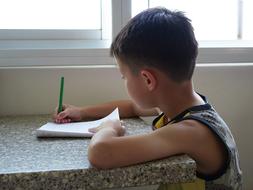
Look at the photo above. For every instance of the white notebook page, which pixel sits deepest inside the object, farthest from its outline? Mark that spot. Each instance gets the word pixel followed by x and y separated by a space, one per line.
pixel 74 129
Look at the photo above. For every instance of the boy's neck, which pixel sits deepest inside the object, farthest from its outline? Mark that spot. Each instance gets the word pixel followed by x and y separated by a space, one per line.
pixel 181 98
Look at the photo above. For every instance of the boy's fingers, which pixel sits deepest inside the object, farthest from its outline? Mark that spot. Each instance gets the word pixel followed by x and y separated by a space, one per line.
pixel 62 114
pixel 64 106
pixel 93 130
pixel 65 120
pixel 61 121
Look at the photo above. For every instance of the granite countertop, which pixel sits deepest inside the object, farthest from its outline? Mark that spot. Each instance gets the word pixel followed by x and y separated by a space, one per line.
pixel 28 162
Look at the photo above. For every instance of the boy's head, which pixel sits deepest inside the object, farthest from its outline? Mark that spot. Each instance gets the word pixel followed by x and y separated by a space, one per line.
pixel 161 39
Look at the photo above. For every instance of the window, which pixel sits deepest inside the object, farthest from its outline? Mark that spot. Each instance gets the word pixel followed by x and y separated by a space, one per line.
pixel 211 19
pixel 222 27
pixel 247 15
pixel 78 32
pixel 55 19
pixel 55 32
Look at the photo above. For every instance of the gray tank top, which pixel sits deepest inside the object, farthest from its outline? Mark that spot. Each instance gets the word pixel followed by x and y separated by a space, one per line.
pixel 230 176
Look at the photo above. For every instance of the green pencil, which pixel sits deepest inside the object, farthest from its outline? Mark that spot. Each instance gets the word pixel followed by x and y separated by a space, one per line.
pixel 61 95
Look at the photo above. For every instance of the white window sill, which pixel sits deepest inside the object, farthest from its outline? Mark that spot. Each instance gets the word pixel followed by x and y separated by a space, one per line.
pixel 236 51
pixel 54 52
pixel 53 44
pixel 18 53
pixel 226 44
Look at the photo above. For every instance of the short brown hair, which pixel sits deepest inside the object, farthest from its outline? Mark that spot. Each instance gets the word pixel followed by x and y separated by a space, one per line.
pixel 158 38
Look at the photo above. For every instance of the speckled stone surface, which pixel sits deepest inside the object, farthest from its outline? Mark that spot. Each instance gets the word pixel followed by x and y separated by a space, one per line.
pixel 28 162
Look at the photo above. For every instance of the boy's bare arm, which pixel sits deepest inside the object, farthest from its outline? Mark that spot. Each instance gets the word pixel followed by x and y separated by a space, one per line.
pixel 108 150
pixel 126 109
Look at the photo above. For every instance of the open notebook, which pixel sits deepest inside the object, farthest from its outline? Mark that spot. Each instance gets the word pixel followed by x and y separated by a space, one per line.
pixel 75 129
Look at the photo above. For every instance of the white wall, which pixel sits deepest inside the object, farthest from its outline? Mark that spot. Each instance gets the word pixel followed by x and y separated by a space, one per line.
pixel 230 90
pixel 35 91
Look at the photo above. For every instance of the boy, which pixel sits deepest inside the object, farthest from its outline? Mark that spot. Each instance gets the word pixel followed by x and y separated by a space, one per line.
pixel 156 53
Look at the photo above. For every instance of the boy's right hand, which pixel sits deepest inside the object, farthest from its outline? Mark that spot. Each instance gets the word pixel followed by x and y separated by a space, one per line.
pixel 70 113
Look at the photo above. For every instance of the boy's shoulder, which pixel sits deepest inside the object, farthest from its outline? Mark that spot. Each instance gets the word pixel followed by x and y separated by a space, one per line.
pixel 189 132
pixel 198 141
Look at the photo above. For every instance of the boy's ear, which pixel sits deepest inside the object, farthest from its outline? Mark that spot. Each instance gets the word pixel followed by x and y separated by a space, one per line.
pixel 149 79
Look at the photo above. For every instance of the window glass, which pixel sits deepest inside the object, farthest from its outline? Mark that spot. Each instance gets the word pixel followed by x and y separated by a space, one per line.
pixel 247 21
pixel 211 19
pixel 50 14
pixel 138 6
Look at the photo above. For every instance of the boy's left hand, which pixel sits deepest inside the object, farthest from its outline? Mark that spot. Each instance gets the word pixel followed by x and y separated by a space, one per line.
pixel 113 124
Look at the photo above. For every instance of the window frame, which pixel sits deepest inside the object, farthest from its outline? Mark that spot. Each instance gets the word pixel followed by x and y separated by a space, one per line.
pixel 229 51
pixel 59 34
pixel 78 52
